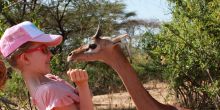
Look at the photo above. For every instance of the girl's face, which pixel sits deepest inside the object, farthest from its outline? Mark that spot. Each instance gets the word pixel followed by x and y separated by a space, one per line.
pixel 37 58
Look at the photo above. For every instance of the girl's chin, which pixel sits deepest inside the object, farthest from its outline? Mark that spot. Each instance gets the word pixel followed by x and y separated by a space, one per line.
pixel 48 70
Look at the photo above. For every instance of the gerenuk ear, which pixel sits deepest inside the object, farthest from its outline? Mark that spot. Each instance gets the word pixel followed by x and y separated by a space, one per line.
pixel 119 38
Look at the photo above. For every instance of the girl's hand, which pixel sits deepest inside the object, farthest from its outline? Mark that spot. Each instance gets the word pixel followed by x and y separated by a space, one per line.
pixel 78 76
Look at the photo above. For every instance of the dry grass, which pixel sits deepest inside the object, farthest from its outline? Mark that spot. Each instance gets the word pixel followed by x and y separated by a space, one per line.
pixel 123 101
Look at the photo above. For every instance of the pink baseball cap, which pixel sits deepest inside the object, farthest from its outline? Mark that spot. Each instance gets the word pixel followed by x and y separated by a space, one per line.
pixel 23 32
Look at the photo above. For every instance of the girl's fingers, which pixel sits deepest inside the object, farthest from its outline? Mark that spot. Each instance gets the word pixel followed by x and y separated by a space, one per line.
pixel 82 75
pixel 85 74
pixel 77 75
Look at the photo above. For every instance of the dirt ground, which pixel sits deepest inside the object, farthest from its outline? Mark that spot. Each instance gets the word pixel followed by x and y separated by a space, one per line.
pixel 122 101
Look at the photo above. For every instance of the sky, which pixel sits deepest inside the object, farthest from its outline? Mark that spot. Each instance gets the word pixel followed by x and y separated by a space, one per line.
pixel 149 9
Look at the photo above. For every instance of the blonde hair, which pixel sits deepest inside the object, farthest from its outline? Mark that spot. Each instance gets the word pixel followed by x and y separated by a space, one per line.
pixel 11 59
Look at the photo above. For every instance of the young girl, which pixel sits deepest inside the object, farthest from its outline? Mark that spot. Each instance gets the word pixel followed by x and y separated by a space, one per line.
pixel 25 47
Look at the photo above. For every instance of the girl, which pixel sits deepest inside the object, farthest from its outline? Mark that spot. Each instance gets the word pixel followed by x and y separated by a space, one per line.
pixel 25 47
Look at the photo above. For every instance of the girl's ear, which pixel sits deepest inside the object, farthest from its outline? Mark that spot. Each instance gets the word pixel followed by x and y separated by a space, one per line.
pixel 24 59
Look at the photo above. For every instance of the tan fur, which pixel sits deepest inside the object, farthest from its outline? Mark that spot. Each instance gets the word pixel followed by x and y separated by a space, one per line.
pixel 109 52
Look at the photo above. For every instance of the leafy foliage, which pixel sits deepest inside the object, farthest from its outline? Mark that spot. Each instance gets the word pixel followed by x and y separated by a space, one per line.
pixel 189 48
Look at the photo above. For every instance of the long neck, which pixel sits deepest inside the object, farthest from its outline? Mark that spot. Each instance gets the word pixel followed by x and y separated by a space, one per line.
pixel 142 99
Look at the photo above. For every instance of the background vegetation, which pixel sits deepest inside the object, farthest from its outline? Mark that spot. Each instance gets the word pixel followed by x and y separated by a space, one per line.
pixel 183 52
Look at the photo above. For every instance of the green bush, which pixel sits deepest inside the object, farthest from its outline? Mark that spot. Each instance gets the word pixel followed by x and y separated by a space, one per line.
pixel 189 45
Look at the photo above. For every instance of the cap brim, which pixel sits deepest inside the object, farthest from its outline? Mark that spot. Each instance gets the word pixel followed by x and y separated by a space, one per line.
pixel 48 39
